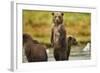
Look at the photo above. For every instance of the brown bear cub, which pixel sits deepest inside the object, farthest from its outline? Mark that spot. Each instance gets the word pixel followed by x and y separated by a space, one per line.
pixel 34 51
pixel 58 37
pixel 71 41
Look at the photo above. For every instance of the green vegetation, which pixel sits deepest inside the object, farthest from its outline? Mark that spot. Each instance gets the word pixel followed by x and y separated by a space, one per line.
pixel 38 24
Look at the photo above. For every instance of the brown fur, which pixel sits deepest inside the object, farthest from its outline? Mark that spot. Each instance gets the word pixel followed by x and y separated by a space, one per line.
pixel 60 43
pixel 34 51
pixel 58 37
pixel 71 41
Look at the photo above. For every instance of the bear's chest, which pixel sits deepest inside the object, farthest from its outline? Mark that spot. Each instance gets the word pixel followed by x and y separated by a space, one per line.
pixel 56 34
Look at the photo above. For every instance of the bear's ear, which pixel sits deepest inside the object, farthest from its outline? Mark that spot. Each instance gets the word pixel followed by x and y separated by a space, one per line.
pixel 52 13
pixel 62 13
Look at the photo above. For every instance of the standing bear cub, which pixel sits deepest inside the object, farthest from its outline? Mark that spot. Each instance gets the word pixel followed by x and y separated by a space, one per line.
pixel 58 37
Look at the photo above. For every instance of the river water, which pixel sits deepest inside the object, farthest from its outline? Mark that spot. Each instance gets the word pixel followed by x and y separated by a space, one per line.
pixel 76 54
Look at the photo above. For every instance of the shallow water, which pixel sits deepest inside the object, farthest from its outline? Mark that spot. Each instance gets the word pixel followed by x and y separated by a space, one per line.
pixel 74 55
pixel 77 53
pixel 84 57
